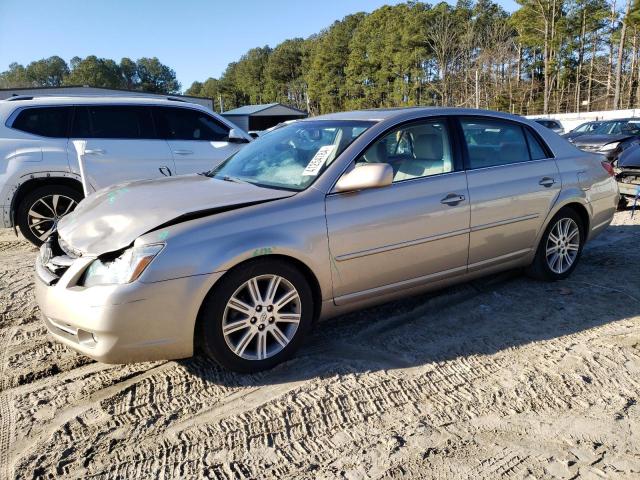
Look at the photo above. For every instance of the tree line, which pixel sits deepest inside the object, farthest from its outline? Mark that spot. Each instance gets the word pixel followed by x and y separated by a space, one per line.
pixel 547 56
pixel 145 74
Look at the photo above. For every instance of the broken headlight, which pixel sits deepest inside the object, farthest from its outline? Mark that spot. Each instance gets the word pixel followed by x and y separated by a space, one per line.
pixel 609 146
pixel 123 269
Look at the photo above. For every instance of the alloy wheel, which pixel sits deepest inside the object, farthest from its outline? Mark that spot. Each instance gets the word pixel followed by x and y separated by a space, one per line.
pixel 563 245
pixel 261 317
pixel 45 212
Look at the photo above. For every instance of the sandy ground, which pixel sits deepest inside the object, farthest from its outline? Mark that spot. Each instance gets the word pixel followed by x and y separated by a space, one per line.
pixel 503 377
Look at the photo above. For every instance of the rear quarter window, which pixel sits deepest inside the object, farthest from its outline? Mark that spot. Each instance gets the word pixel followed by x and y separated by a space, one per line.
pixel 537 150
pixel 43 121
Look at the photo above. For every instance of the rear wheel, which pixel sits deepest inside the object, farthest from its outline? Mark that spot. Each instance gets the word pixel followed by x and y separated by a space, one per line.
pixel 257 317
pixel 560 247
pixel 40 210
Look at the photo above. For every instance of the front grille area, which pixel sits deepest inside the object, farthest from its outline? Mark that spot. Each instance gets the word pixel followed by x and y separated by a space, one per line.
pixel 590 148
pixel 53 260
pixel 68 249
pixel 628 175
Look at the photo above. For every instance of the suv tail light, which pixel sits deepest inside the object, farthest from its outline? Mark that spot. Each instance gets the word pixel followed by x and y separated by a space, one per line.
pixel 608 167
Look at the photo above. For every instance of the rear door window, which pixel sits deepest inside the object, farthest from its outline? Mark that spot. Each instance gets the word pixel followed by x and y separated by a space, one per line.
pixel 116 122
pixel 185 124
pixel 43 121
pixel 492 142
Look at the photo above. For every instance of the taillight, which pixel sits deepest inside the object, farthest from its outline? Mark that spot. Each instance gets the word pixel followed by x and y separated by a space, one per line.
pixel 608 167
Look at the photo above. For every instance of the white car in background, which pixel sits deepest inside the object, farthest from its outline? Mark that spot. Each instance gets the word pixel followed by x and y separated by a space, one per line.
pixel 125 138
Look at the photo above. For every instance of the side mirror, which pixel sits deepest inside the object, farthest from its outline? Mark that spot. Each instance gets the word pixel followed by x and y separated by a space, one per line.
pixel 365 176
pixel 236 137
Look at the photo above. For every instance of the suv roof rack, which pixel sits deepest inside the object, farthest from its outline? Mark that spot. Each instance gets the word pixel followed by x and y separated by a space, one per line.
pixel 15 98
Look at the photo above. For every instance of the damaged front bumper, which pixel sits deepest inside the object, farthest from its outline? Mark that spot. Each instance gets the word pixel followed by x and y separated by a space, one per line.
pixel 628 181
pixel 117 323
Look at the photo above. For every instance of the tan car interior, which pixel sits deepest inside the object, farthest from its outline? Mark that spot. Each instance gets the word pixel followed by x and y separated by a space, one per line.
pixel 413 152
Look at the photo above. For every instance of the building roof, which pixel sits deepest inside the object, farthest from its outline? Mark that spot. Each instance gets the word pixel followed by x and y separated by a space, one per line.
pixel 251 109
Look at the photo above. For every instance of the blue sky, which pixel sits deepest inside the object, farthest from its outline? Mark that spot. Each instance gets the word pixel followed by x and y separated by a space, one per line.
pixel 197 38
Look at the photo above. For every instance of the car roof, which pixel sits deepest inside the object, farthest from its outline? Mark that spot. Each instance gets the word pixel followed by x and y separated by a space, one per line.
pixel 378 115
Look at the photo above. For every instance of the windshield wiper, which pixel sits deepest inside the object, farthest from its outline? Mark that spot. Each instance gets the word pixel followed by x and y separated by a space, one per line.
pixel 229 178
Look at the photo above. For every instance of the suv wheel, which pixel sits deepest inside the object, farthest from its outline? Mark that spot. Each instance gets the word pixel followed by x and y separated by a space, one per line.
pixel 40 210
pixel 560 247
pixel 257 317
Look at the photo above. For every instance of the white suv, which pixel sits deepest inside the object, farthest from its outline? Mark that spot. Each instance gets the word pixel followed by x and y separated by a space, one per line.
pixel 125 138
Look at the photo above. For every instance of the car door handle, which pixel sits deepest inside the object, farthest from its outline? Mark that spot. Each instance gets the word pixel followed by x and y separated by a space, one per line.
pixel 452 199
pixel 166 171
pixel 183 152
pixel 94 151
pixel 546 181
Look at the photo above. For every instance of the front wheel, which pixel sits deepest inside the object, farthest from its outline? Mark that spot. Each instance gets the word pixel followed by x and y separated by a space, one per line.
pixel 257 317
pixel 560 247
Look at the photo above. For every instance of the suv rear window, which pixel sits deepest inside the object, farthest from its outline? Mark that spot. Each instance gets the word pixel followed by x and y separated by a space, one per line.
pixel 121 122
pixel 186 124
pixel 44 121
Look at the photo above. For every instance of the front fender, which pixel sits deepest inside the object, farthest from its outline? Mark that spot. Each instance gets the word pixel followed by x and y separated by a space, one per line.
pixel 291 228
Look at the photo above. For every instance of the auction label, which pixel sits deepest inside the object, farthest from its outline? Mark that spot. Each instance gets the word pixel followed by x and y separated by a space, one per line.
pixel 318 160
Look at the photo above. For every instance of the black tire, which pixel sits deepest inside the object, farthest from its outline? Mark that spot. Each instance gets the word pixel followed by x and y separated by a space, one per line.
pixel 210 319
pixel 539 268
pixel 22 214
pixel 623 203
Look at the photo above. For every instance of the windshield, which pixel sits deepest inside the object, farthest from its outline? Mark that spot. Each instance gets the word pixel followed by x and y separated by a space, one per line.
pixel 291 157
pixel 618 127
pixel 585 127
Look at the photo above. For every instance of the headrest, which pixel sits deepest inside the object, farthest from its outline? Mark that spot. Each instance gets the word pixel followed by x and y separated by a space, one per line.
pixel 377 153
pixel 513 152
pixel 428 146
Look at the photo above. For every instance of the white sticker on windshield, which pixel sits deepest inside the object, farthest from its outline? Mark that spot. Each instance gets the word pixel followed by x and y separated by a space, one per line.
pixel 318 160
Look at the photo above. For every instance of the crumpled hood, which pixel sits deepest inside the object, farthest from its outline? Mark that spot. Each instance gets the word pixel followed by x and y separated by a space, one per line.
pixel 573 135
pixel 599 139
pixel 113 218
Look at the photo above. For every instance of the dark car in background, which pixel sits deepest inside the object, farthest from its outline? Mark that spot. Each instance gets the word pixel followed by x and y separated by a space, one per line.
pixel 582 129
pixel 611 138
pixel 627 171
pixel 551 124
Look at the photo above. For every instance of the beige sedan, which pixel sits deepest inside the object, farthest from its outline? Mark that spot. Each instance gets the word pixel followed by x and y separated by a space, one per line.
pixel 315 219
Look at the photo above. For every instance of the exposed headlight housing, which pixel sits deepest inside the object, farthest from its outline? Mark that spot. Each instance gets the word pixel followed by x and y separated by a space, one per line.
pixel 124 269
pixel 609 146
